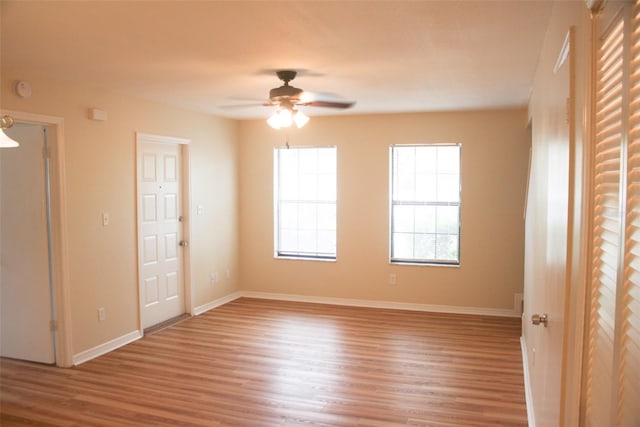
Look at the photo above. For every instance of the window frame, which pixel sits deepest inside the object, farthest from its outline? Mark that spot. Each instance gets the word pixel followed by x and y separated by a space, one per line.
pixel 297 255
pixel 420 261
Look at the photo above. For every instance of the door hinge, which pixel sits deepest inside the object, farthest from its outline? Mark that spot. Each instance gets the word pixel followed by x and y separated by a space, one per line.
pixel 53 325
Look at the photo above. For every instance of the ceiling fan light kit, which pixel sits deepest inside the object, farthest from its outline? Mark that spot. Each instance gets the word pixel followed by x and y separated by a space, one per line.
pixel 5 141
pixel 284 118
pixel 287 98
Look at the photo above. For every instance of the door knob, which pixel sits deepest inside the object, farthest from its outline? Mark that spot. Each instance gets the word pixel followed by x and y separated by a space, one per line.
pixel 536 319
pixel 184 243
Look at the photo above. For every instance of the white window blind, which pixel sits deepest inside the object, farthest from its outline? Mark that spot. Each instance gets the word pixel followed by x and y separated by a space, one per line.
pixel 612 392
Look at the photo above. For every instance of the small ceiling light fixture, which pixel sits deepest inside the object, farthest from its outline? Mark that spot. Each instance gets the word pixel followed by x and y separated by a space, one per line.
pixel 6 122
pixel 300 119
pixel 286 116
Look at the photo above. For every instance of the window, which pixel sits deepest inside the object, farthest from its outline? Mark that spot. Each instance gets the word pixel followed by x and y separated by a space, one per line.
pixel 425 204
pixel 305 202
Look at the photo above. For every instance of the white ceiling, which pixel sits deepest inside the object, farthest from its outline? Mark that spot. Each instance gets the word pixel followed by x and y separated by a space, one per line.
pixel 392 56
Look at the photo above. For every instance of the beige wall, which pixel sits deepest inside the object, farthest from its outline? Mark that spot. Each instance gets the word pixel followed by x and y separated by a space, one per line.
pixel 100 177
pixel 495 149
pixel 555 253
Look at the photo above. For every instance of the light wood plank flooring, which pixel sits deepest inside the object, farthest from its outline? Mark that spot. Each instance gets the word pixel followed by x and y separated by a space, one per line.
pixel 258 362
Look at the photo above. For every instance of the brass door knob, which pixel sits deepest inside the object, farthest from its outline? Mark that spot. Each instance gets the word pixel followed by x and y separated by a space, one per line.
pixel 537 319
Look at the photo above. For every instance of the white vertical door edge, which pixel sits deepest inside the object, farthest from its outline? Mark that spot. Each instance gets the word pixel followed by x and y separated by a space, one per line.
pixel 183 145
pixel 61 286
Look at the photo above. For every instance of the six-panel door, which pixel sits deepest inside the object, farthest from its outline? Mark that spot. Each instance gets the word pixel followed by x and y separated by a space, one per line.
pixel 160 226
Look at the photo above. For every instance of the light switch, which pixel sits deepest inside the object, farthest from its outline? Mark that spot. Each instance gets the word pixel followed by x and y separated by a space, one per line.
pixel 105 219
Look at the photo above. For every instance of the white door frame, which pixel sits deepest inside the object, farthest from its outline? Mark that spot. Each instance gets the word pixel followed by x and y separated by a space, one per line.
pixel 61 284
pixel 142 138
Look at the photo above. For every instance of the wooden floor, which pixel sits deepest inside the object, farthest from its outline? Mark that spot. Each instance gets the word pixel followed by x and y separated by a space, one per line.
pixel 258 362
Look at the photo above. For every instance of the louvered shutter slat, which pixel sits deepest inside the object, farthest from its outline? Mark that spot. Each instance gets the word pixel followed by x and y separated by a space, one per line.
pixel 629 373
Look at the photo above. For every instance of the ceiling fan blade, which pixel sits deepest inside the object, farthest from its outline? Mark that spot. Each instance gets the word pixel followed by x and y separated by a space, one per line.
pixel 300 72
pixel 329 104
pixel 322 99
pixel 234 106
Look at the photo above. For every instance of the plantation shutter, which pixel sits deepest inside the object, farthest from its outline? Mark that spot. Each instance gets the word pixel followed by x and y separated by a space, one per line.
pixel 629 373
pixel 612 393
pixel 606 225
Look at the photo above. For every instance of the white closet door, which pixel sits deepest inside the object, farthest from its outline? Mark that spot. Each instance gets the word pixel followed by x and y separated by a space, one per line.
pixel 24 270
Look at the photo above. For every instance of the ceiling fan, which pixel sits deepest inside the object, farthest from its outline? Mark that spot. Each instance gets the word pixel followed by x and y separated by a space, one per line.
pixel 289 95
pixel 287 98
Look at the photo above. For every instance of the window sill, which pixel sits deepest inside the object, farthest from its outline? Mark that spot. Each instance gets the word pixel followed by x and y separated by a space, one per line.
pixel 424 264
pixel 300 258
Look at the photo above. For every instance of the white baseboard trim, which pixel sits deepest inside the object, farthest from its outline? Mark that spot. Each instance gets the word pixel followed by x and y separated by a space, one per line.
pixel 216 303
pixel 99 350
pixel 527 383
pixel 384 304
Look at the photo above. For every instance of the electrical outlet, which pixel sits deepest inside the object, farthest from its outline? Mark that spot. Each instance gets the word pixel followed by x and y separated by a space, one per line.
pixel 392 279
pixel 101 314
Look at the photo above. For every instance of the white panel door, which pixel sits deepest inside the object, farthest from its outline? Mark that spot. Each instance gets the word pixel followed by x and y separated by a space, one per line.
pixel 25 296
pixel 160 232
pixel 547 235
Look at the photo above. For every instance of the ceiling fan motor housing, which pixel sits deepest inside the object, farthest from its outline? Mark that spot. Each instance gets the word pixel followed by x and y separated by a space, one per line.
pixel 285 92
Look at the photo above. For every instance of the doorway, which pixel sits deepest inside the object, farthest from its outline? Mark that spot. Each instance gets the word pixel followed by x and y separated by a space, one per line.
pixel 49 310
pixel 26 296
pixel 163 252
